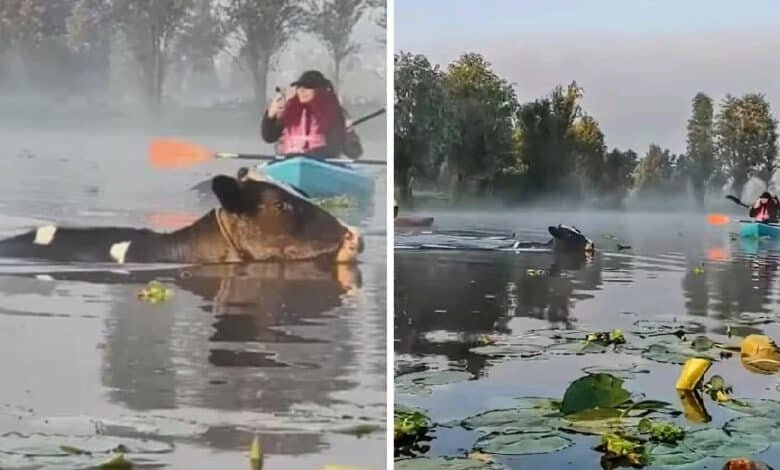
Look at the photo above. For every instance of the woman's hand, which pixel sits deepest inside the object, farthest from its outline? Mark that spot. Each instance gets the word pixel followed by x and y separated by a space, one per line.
pixel 276 107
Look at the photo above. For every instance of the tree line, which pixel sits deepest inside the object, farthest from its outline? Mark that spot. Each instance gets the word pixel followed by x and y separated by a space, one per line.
pixel 463 129
pixel 77 37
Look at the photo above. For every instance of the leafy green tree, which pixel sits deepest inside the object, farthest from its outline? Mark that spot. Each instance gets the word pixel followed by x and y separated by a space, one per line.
pixel 619 170
pixel 746 138
pixel 151 28
pixel 701 146
pixel 656 170
pixel 334 22
pixel 589 153
pixel 485 106
pixel 263 28
pixel 424 124
pixel 549 144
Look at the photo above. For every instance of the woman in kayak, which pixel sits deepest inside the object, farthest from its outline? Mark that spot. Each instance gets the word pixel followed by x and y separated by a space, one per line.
pixel 765 208
pixel 311 122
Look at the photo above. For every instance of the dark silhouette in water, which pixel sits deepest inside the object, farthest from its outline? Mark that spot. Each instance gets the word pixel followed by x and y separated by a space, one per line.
pixel 257 221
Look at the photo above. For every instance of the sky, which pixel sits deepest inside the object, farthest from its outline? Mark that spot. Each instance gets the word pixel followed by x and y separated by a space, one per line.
pixel 640 62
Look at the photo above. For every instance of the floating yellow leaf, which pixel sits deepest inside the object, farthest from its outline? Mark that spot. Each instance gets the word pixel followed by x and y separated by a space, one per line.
pixel 692 373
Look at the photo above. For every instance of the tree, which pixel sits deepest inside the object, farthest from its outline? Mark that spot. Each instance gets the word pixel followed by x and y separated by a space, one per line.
pixel 485 106
pixel 424 124
pixel 151 28
pixel 746 138
pixel 89 32
pixel 589 152
pixel 548 148
pixel 202 38
pixel 333 22
pixel 655 170
pixel 263 28
pixel 701 147
pixel 21 22
pixel 618 175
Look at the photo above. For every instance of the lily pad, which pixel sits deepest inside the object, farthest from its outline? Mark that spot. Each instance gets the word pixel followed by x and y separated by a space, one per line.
pixel 426 463
pixel 621 371
pixel 419 382
pixel 673 353
pixel 151 426
pixel 509 350
pixel 594 391
pixel 754 318
pixel 717 443
pixel 542 403
pixel 75 462
pixel 756 407
pixel 512 420
pixel 577 348
pixel 599 421
pixel 523 443
pixel 54 445
pixel 753 425
pixel 671 457
pixel 666 327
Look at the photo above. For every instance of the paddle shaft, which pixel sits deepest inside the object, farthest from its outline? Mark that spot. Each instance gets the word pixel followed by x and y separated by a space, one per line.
pixel 253 156
pixel 737 201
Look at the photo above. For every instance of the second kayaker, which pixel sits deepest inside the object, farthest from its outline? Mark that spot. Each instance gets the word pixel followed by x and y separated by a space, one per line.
pixel 310 121
pixel 765 208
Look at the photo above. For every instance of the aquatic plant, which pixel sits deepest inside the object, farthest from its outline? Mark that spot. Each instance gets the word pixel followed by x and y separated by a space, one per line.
pixel 155 292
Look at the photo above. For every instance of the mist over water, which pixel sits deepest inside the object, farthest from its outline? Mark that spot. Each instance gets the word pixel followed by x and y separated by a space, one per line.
pixel 293 354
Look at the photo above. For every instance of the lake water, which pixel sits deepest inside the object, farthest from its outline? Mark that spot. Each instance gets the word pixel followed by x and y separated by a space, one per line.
pixel 678 271
pixel 294 354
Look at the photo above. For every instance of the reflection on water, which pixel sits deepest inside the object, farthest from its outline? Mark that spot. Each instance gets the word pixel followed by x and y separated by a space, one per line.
pixel 295 353
pixel 446 301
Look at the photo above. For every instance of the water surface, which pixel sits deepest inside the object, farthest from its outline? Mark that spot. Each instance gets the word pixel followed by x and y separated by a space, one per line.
pixel 293 353
pixel 677 268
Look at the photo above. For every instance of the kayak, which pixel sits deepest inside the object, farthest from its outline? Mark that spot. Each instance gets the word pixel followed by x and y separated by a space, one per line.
pixel 321 179
pixel 752 229
pixel 413 221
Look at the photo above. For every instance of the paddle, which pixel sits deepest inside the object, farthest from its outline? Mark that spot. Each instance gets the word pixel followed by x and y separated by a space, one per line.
pixel 722 219
pixel 176 153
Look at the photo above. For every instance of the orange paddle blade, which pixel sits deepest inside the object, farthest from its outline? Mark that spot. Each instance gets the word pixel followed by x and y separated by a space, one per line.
pixel 173 153
pixel 718 219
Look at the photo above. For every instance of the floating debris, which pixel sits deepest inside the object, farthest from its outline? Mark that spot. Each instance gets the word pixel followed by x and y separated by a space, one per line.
pixel 155 292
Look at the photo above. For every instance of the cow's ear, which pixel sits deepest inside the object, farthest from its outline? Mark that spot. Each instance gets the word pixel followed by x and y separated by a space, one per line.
pixel 229 193
pixel 553 231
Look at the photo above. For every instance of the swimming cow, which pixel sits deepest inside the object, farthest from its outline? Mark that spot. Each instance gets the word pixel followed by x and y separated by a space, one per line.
pixel 565 239
pixel 258 220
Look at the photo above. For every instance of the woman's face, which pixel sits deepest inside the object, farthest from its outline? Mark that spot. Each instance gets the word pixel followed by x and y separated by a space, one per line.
pixel 305 95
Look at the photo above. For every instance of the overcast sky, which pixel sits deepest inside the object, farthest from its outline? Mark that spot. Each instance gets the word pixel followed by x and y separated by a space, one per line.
pixel 640 62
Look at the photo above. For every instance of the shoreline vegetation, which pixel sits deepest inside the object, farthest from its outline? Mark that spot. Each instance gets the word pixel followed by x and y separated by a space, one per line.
pixel 462 139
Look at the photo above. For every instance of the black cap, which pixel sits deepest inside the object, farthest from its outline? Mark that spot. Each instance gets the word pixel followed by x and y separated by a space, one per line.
pixel 312 79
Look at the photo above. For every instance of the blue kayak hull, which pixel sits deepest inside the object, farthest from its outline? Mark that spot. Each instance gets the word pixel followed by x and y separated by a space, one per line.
pixel 750 229
pixel 319 179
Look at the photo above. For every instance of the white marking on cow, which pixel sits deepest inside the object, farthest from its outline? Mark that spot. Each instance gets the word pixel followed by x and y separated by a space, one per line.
pixel 44 235
pixel 118 251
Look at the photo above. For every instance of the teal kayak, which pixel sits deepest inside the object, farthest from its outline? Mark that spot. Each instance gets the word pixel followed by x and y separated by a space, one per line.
pixel 322 179
pixel 752 229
